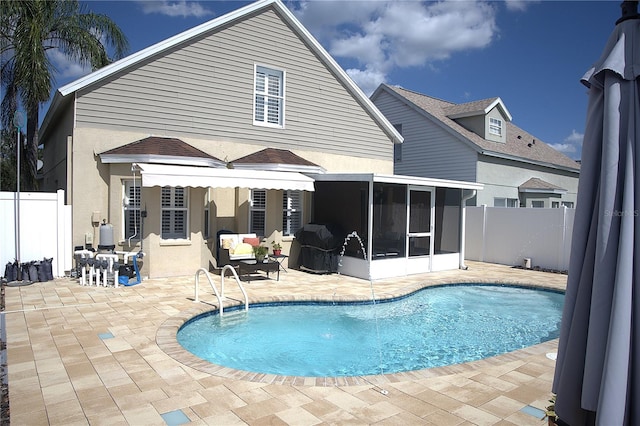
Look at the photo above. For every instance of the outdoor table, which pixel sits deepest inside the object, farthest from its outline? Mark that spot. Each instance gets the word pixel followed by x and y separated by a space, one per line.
pixel 247 267
pixel 279 258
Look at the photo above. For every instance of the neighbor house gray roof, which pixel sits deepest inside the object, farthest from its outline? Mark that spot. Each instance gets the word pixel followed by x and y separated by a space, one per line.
pixel 520 145
pixel 62 95
pixel 155 149
pixel 539 185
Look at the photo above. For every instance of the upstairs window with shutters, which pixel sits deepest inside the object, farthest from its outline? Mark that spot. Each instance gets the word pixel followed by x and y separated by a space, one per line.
pixel 268 98
pixel 291 212
pixel 174 213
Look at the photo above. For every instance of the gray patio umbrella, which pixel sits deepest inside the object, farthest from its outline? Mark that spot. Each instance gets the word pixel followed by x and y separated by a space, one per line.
pixel 597 376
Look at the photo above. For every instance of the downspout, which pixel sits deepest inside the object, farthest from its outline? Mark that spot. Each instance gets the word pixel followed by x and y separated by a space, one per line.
pixel 463 211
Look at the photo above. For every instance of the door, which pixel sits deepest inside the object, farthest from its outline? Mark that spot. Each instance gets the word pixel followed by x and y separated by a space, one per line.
pixel 420 220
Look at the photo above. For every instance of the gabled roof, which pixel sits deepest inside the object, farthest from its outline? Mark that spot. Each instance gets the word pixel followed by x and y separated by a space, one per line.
pixel 156 149
pixel 276 159
pixel 539 185
pixel 481 107
pixel 519 144
pixel 237 15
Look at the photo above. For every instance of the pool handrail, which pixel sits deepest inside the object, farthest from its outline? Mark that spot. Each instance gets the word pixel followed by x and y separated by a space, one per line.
pixel 220 295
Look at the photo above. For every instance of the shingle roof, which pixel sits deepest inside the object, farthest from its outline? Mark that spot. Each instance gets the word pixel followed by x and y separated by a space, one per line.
pixel 277 159
pixel 519 143
pixel 537 183
pixel 155 145
pixel 274 156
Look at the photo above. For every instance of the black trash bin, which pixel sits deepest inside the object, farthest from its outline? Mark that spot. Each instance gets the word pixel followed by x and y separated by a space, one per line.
pixel 319 247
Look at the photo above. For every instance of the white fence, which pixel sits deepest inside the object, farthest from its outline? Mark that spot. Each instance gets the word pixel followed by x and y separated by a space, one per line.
pixel 509 235
pixel 45 229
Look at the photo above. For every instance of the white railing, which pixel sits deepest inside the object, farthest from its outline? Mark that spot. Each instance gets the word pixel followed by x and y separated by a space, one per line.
pixel 220 296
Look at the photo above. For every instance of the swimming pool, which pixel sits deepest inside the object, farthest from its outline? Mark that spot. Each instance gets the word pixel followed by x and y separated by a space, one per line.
pixel 433 327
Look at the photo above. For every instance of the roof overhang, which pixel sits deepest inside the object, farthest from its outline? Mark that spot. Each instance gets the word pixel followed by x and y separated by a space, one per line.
pixel 164 159
pixel 543 190
pixel 397 179
pixel 280 168
pixel 207 177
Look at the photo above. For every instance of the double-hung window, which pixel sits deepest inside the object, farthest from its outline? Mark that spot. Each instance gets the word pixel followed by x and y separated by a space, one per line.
pixel 258 211
pixel 268 97
pixel 495 126
pixel 131 209
pixel 505 202
pixel 174 213
pixel 291 212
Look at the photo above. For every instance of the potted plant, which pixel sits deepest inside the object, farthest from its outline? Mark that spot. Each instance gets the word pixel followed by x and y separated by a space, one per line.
pixel 277 248
pixel 260 252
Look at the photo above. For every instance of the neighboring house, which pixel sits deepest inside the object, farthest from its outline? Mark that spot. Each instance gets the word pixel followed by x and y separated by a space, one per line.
pixel 477 142
pixel 226 126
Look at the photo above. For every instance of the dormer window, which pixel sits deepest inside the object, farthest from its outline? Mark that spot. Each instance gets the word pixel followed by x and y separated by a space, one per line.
pixel 495 126
pixel 268 107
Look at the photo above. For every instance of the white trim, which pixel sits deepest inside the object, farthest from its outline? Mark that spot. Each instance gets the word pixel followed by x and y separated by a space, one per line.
pixel 161 159
pixel 280 167
pixel 401 179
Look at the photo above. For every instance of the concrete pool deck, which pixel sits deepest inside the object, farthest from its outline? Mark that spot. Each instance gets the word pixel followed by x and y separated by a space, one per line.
pixel 95 355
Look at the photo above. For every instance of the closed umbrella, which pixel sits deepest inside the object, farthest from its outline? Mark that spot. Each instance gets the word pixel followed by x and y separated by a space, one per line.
pixel 597 376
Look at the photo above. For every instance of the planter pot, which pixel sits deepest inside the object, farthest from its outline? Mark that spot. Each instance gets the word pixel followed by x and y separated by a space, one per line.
pixel 277 252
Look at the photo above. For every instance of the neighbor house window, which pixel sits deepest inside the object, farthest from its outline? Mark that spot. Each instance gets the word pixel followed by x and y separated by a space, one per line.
pixel 174 213
pixel 495 126
pixel 397 147
pixel 258 212
pixel 555 204
pixel 131 209
pixel 268 97
pixel 537 204
pixel 568 204
pixel 505 202
pixel 291 212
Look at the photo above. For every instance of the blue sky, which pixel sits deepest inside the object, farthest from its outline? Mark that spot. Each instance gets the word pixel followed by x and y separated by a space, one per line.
pixel 531 54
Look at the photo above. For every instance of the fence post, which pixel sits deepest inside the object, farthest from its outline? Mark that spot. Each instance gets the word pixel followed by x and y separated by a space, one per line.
pixel 484 232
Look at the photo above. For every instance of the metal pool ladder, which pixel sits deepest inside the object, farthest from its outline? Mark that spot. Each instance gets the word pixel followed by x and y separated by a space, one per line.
pixel 220 295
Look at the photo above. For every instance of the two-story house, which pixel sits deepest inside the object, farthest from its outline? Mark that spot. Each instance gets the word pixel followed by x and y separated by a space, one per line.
pixel 246 124
pixel 477 142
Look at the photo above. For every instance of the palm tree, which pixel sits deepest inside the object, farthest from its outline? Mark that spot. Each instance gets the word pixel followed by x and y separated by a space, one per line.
pixel 28 30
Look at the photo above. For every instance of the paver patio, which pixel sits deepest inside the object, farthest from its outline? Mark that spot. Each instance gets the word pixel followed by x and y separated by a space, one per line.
pixel 94 355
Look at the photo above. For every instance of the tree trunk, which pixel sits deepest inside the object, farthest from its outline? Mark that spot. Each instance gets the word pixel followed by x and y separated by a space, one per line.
pixel 31 151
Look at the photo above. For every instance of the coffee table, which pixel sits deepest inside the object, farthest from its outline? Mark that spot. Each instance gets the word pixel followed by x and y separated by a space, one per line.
pixel 248 267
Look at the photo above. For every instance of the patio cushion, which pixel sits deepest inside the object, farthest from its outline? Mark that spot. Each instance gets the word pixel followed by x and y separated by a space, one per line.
pixel 242 248
pixel 251 241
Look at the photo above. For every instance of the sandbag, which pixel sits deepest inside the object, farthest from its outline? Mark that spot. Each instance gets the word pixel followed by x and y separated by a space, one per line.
pixel 47 266
pixel 33 271
pixel 10 272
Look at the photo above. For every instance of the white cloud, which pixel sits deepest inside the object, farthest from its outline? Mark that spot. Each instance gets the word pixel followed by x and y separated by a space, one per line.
pixel 181 8
pixel 381 35
pixel 572 144
pixel 563 147
pixel 518 5
pixel 367 80
pixel 66 68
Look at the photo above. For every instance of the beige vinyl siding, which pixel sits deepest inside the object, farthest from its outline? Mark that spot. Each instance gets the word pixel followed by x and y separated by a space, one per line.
pixel 428 150
pixel 204 89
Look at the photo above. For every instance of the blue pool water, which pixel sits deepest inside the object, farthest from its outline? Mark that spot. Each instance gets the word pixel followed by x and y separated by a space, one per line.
pixel 434 327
